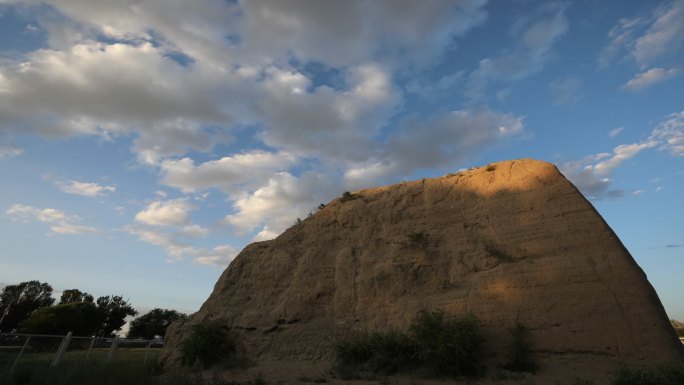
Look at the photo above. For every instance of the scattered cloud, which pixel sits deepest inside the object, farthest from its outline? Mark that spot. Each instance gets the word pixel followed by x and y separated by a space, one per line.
pixel 670 134
pixel 535 36
pixel 88 189
pixel 10 152
pixel 565 91
pixel 664 35
pixel 274 206
pixel 219 256
pixel 194 231
pixel 615 131
pixel 68 228
pixel 390 31
pixel 42 215
pixel 458 134
pixel 158 237
pixel 178 250
pixel 650 78
pixel 653 37
pixel 59 221
pixel 229 174
pixel 175 212
pixel 592 175
pixel 647 37
pixel 327 123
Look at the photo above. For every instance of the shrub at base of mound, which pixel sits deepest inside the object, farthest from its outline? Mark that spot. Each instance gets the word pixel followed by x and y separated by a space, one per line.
pixel 520 355
pixel 208 345
pixel 671 373
pixel 436 345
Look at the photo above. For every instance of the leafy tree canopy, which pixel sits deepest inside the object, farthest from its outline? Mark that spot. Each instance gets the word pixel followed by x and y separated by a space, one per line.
pixel 18 301
pixel 75 295
pixel 113 310
pixel 154 323
pixel 81 318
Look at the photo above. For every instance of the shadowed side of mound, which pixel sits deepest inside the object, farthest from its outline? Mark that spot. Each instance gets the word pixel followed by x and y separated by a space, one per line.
pixel 511 243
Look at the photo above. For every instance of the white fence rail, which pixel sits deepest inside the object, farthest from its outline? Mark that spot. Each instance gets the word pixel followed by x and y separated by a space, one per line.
pixel 52 350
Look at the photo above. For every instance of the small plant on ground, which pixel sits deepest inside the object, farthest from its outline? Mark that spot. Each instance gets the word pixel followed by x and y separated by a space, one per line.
pixel 208 344
pixel 321 206
pixel 491 167
pixel 418 238
pixel 520 355
pixel 347 196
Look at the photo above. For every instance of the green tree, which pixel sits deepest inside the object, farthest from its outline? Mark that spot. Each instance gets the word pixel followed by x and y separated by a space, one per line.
pixel 113 310
pixel 18 301
pixel 81 318
pixel 75 295
pixel 153 323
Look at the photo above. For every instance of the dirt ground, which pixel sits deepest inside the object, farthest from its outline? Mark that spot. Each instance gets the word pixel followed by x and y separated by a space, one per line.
pixel 566 370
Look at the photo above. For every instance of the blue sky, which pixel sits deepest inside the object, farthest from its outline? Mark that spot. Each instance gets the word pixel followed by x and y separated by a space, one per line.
pixel 144 143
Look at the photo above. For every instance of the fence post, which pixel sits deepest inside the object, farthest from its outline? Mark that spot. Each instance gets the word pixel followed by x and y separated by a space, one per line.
pixel 147 351
pixel 92 342
pixel 21 353
pixel 115 344
pixel 60 352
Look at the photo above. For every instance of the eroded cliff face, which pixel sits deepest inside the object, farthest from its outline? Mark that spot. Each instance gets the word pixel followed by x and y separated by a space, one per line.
pixel 510 242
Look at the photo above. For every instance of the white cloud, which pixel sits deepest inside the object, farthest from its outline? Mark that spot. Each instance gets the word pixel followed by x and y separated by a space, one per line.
pixel 441 139
pixel 535 36
pixel 61 222
pixel 219 256
pixel 229 174
pixel 670 134
pixel 88 189
pixel 348 33
pixel 275 206
pixel 177 250
pixel 592 175
pixel 67 228
pixel 194 231
pixel 174 248
pixel 621 36
pixel 665 34
pixel 42 215
pixel 655 36
pixel 615 131
pixel 10 151
pixel 175 212
pixel 116 89
pixel 334 124
pixel 649 78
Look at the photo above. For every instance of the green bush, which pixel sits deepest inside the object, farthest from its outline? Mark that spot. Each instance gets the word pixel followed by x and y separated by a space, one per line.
pixel 520 355
pixel 380 352
pixel 347 196
pixel 448 346
pixel 666 374
pixel 208 344
pixel 435 344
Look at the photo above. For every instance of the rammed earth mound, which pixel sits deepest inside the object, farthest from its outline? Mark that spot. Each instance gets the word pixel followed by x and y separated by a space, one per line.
pixel 510 243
